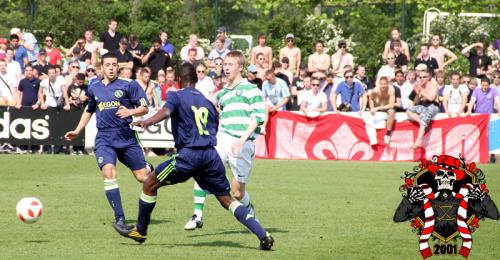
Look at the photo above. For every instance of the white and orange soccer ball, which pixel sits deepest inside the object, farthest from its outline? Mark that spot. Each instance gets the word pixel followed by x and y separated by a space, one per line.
pixel 29 210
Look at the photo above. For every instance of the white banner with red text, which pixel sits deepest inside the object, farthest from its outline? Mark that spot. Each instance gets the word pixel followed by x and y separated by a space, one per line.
pixel 342 137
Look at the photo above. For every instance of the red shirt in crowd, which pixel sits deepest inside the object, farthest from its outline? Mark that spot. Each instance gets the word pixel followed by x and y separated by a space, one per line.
pixel 167 87
pixel 54 55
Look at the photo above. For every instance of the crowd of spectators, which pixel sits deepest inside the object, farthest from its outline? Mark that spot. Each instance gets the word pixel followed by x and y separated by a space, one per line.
pixel 39 75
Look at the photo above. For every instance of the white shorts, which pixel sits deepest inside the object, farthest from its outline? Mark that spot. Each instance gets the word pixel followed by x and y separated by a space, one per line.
pixel 241 164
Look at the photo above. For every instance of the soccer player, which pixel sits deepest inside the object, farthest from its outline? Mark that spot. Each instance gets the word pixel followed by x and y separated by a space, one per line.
pixel 194 127
pixel 115 101
pixel 242 113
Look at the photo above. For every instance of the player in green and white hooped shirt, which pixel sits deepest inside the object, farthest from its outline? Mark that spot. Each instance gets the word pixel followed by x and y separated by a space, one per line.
pixel 242 114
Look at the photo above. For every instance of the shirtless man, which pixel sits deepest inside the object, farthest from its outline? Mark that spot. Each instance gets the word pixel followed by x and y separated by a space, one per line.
pixel 149 87
pixel 262 48
pixel 318 62
pixel 261 63
pixel 292 52
pixel 396 35
pixel 92 46
pixel 382 99
pixel 424 104
pixel 440 53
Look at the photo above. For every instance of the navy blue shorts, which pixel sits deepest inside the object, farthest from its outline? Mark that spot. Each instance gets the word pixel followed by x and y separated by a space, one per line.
pixel 121 145
pixel 204 165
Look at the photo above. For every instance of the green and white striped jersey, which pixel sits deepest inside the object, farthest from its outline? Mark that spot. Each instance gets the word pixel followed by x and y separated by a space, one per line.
pixel 238 106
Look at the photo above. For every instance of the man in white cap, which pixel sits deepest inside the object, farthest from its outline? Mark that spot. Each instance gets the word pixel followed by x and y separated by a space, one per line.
pixel 292 52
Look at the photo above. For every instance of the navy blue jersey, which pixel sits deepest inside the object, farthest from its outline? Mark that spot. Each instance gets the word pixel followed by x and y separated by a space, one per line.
pixel 194 118
pixel 105 101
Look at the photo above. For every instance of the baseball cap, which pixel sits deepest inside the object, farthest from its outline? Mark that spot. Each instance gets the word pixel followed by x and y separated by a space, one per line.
pixel 124 40
pixel 342 42
pixel 42 52
pixel 76 50
pixel 14 30
pixel 252 68
pixel 3 41
pixel 290 36
pixel 221 29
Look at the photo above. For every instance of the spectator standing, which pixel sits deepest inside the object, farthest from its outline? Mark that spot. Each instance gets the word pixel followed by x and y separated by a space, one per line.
pixel 156 58
pixel 13 66
pixel 20 53
pixel 205 84
pixel 29 86
pixel 401 59
pixel 125 58
pixel 341 58
pixel 327 89
pixel 218 70
pixel 262 48
pixel 285 68
pixel 166 45
pixel 440 53
pixel 361 76
pixel 395 36
pixel 8 86
pixel 110 39
pixel 406 89
pixel 78 99
pixel 495 48
pixel 496 85
pixel 275 92
pixel 170 84
pixel 277 71
pixel 252 76
pixel 53 91
pixel 425 58
pixel 219 51
pixel 137 51
pixel 318 62
pixel 75 59
pixel 455 96
pixel 389 69
pixel 30 44
pixel 480 63
pixel 3 48
pixel 222 32
pixel 399 81
pixel 149 88
pixel 91 46
pixel 292 53
pixel 84 55
pixel 297 87
pixel 352 95
pixel 314 101
pixel 54 55
pixel 260 63
pixel 192 44
pixel 484 99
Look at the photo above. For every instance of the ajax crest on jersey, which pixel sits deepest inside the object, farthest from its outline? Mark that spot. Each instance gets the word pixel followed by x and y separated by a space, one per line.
pixel 29 210
pixel 118 93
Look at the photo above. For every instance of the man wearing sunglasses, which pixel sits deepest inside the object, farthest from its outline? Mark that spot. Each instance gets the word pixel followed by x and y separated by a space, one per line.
pixel 340 59
pixel 55 57
pixel 292 52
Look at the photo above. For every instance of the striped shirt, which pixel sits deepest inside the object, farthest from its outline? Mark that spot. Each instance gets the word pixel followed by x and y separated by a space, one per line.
pixel 238 106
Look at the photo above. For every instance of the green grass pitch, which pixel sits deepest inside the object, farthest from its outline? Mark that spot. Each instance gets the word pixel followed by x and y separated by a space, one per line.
pixel 314 210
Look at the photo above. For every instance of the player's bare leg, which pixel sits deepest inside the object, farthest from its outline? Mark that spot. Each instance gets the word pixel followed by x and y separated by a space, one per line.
pixel 390 124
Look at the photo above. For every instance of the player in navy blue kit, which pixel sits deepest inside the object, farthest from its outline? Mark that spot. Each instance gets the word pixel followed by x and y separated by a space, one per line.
pixel 115 101
pixel 194 127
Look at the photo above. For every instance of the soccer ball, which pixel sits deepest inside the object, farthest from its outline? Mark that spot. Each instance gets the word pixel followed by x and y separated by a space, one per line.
pixel 29 210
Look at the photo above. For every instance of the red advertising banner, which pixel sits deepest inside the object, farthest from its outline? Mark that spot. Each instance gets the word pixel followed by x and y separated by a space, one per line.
pixel 340 137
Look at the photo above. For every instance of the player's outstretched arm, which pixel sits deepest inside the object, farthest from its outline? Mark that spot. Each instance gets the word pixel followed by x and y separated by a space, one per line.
pixel 84 120
pixel 158 117
pixel 124 112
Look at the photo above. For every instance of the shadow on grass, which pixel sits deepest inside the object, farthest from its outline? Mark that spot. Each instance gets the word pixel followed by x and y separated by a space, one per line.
pixel 218 243
pixel 153 221
pixel 146 244
pixel 241 231
pixel 37 241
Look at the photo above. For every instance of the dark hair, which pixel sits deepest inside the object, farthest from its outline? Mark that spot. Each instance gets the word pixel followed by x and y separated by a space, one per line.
pixel 28 65
pixel 261 35
pixel 276 64
pixel 51 35
pixel 51 67
pixel 348 71
pixel 453 73
pixel 399 72
pixel 14 37
pixel 425 45
pixel 485 79
pixel 320 41
pixel 108 55
pixel 395 28
pixel 80 76
pixel 157 40
pixel 395 42
pixel 285 60
pixel 111 20
pixel 187 74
